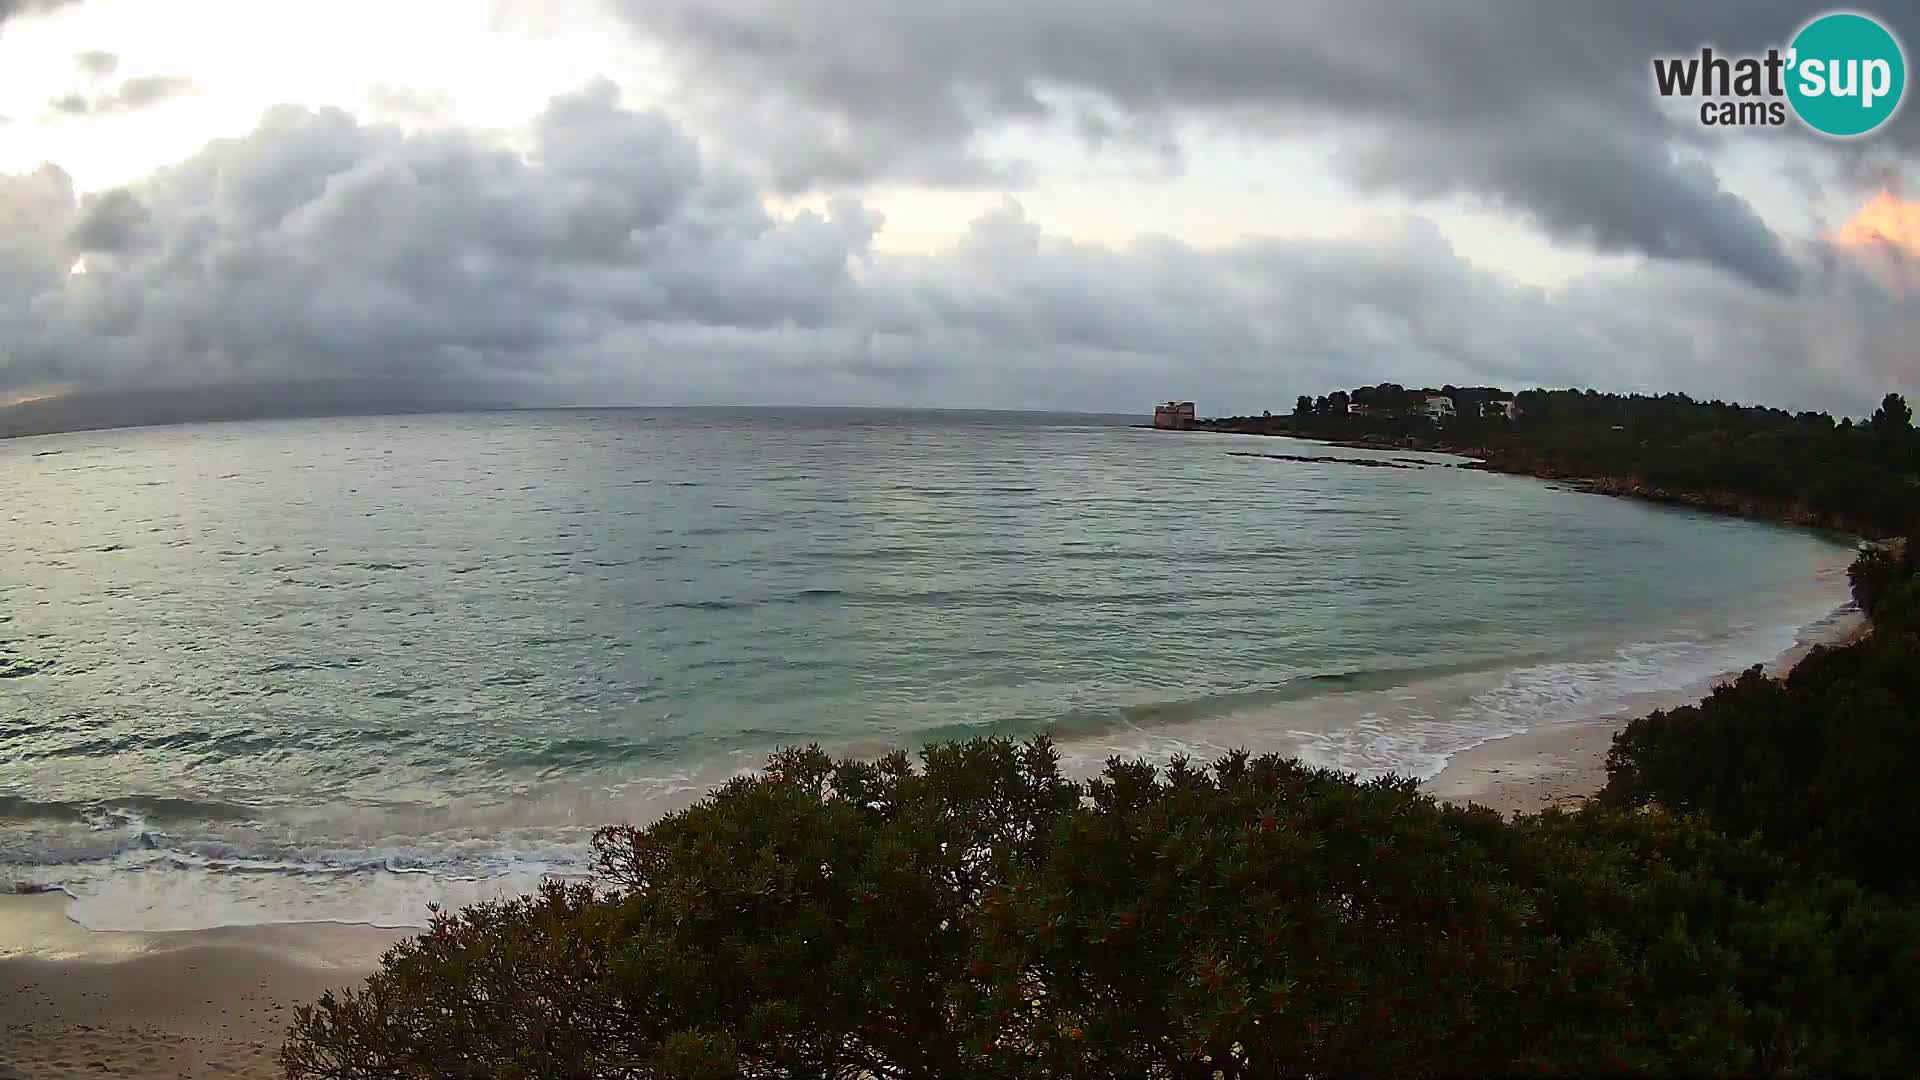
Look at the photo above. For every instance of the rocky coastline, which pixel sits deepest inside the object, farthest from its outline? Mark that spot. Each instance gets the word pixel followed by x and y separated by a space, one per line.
pixel 1484 459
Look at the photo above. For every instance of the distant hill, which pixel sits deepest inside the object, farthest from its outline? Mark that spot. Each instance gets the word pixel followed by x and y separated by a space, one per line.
pixel 93 410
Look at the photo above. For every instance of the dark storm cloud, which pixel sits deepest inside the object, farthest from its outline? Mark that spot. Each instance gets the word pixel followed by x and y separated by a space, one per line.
pixel 108 222
pixel 321 247
pixel 612 262
pixel 136 93
pixel 1546 109
pixel 35 254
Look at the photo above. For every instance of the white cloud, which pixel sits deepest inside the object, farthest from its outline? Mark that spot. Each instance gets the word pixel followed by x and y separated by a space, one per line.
pixel 614 262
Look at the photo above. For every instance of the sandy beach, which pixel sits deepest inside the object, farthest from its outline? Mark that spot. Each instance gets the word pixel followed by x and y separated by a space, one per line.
pixel 206 1005
pixel 1566 764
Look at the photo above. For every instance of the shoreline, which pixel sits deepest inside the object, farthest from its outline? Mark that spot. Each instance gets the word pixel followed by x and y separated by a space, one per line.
pixel 1563 765
pixel 78 1003
pixel 81 1003
pixel 1481 459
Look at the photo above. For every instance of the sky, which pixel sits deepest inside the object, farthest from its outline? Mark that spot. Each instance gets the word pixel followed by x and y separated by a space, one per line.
pixel 1073 204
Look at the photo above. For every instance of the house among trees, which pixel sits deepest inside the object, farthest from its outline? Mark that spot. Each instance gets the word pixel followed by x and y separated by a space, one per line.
pixel 1389 401
pixel 1174 415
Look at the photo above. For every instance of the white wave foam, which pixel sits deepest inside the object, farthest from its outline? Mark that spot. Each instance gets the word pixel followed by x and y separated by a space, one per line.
pixel 199 886
pixel 1414 730
pixel 1420 736
pixel 127 876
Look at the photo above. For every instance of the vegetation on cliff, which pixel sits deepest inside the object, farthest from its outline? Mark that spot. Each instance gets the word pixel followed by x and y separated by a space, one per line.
pixel 1805 467
pixel 1818 766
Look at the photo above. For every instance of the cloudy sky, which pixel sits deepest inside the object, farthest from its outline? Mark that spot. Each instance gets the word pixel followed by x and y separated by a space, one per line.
pixel 1065 204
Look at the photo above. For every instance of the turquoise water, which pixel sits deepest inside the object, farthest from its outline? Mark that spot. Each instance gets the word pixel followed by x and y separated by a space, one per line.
pixel 337 668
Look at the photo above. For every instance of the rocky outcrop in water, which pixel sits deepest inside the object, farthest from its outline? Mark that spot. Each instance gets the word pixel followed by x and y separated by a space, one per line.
pixel 1371 463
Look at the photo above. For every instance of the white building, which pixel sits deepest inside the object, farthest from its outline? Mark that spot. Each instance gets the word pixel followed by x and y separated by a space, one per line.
pixel 1499 407
pixel 1439 405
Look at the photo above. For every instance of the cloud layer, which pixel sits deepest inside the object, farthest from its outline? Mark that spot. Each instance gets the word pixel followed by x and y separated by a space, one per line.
pixel 10 8
pixel 1539 109
pixel 614 262
pixel 135 93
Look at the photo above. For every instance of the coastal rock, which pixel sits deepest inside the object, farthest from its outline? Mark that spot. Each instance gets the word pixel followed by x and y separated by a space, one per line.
pixel 1716 501
pixel 1371 463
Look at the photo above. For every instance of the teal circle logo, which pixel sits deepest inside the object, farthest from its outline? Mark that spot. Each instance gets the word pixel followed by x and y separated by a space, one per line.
pixel 1846 74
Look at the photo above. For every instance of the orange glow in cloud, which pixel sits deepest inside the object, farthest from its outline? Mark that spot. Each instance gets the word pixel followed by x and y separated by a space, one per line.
pixel 1885 221
pixel 1883 239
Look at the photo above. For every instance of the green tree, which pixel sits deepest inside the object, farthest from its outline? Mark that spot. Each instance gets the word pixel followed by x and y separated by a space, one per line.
pixel 1303 406
pixel 1893 418
pixel 985 917
pixel 1818 765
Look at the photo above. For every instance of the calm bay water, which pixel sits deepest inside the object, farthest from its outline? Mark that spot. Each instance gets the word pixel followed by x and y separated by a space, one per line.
pixel 337 668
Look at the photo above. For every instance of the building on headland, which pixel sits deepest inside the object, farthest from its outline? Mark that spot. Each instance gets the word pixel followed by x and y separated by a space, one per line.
pixel 1503 407
pixel 1439 405
pixel 1174 415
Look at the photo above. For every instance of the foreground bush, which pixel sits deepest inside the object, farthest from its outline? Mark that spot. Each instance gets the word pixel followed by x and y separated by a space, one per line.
pixel 984 916
pixel 1819 765
pixel 1886 585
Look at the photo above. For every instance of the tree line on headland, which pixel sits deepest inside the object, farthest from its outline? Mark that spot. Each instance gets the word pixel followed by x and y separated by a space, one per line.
pixel 1805 467
pixel 1742 898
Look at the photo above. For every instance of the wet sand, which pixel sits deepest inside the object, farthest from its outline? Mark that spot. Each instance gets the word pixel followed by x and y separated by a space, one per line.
pixel 1566 764
pixel 208 1004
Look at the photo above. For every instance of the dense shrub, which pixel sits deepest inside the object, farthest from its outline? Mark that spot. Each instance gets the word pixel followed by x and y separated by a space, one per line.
pixel 984 916
pixel 1818 765
pixel 1886 585
pixel 807 922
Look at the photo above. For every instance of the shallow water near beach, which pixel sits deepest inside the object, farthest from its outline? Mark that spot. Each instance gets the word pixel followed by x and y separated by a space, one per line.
pixel 337 669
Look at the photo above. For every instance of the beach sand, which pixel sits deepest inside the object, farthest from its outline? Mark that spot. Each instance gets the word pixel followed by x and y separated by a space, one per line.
pixel 205 1004
pixel 1566 764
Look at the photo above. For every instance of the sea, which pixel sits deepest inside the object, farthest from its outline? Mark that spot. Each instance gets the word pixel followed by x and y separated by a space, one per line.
pixel 339 669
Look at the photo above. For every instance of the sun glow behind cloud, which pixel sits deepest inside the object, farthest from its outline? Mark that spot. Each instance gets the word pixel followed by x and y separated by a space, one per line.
pixel 1885 221
pixel 1883 236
